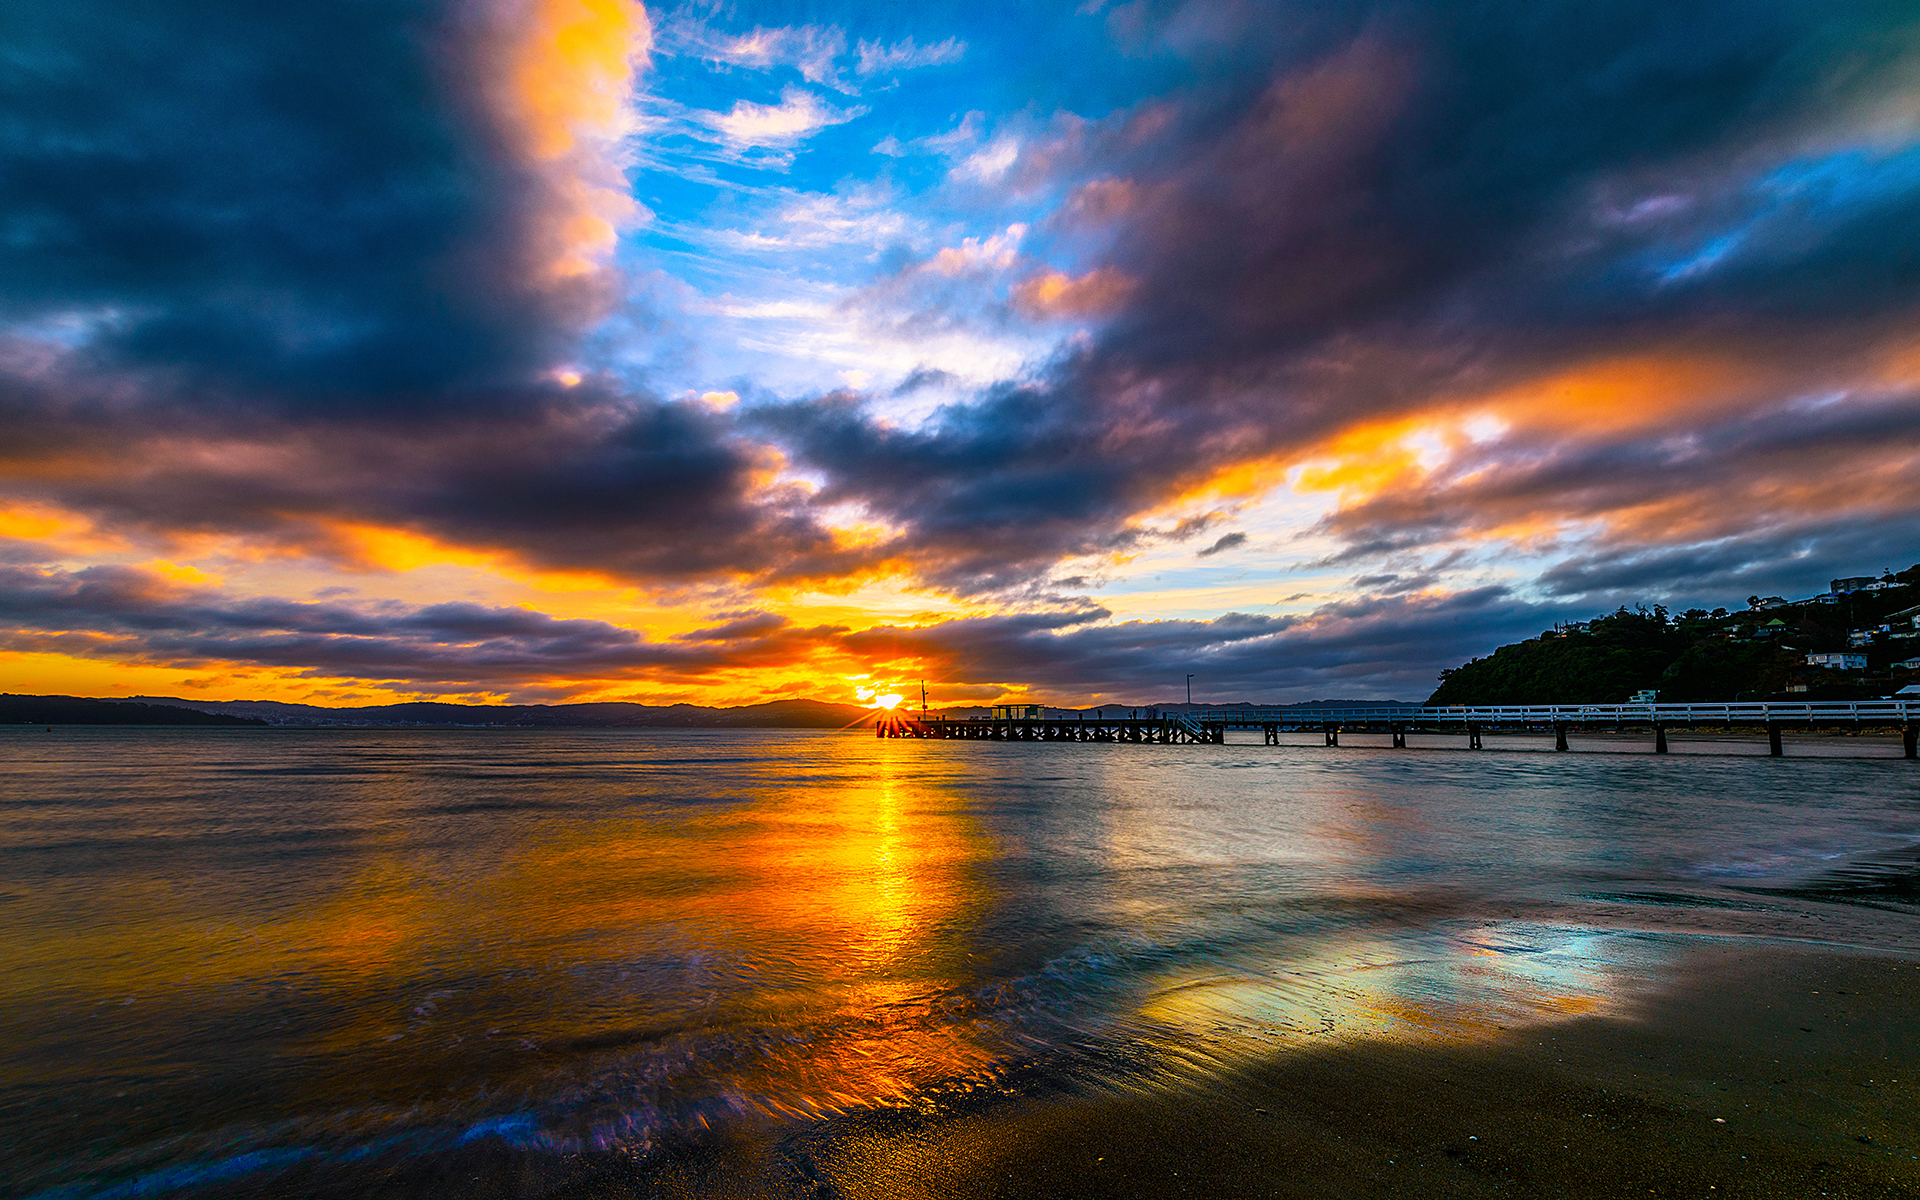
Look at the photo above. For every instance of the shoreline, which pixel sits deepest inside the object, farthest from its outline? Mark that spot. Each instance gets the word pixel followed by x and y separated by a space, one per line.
pixel 1776 1071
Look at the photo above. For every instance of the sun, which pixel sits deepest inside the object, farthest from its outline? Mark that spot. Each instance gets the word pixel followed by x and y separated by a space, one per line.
pixel 887 701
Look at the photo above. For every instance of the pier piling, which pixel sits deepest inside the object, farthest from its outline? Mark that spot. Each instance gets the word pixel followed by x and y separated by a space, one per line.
pixel 1187 728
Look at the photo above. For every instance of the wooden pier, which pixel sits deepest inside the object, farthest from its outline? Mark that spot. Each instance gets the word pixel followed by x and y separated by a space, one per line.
pixel 1164 730
pixel 1209 727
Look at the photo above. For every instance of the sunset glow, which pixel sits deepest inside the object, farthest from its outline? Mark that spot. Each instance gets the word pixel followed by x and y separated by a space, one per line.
pixel 589 350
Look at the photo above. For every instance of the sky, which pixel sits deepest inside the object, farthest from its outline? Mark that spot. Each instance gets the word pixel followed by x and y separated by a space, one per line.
pixel 545 351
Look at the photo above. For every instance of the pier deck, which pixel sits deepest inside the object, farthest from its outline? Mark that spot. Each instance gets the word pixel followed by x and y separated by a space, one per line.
pixel 1209 726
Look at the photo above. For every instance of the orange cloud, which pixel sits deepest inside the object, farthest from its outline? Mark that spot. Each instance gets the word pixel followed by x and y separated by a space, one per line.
pixel 569 70
pixel 1056 294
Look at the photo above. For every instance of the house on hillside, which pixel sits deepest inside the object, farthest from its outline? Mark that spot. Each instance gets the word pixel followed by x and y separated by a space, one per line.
pixel 1773 628
pixel 1838 661
pixel 1856 583
pixel 1908 664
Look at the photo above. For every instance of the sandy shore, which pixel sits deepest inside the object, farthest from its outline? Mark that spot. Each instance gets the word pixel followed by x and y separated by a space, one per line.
pixel 1775 1072
pixel 1785 1073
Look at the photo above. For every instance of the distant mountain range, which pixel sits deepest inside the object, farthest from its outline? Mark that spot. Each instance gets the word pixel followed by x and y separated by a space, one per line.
pixel 777 714
pixel 72 710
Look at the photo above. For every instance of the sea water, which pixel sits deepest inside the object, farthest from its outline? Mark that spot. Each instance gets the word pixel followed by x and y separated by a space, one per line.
pixel 226 954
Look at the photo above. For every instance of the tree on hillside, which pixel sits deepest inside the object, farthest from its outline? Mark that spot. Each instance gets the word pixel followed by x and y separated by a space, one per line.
pixel 1605 663
pixel 1698 656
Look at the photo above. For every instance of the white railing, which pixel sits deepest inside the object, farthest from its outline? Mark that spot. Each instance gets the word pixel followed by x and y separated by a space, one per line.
pixel 1740 712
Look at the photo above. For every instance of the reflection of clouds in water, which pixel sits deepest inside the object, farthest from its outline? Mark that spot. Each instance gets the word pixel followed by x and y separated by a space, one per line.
pixel 1460 986
pixel 575 941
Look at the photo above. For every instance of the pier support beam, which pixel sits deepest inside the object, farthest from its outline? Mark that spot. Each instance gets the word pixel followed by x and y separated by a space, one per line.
pixel 1910 739
pixel 1560 736
pixel 1659 739
pixel 1399 737
pixel 1473 737
pixel 1333 735
pixel 1774 749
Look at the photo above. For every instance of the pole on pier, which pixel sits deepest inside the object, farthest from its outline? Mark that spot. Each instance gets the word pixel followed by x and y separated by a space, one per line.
pixel 1910 738
pixel 1659 739
pixel 1774 749
pixel 1473 737
pixel 1560 736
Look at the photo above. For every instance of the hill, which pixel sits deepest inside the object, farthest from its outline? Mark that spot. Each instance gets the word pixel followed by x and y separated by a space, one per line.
pixel 72 710
pixel 776 714
pixel 1700 656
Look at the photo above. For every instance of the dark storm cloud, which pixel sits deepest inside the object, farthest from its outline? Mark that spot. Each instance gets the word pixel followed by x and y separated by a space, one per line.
pixel 1423 201
pixel 270 268
pixel 131 614
pixel 1227 541
pixel 1381 646
pixel 1697 511
pixel 264 202
pixel 1376 645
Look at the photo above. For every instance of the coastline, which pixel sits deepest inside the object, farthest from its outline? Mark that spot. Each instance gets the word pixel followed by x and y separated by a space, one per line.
pixel 1784 1071
pixel 1779 1070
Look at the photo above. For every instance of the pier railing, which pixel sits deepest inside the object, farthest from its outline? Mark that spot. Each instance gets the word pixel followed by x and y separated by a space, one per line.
pixel 1209 726
pixel 1759 712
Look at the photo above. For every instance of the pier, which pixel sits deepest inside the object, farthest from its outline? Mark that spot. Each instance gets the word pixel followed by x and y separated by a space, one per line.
pixel 1470 722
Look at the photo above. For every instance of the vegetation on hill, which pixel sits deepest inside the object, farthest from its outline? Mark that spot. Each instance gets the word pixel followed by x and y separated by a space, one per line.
pixel 72 710
pixel 1755 654
pixel 776 714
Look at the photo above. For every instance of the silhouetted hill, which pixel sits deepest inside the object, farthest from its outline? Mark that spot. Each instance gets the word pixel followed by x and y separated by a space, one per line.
pixel 72 710
pixel 776 714
pixel 1754 654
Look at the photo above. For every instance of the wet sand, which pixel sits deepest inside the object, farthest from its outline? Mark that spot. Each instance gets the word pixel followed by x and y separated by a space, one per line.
pixel 1776 1072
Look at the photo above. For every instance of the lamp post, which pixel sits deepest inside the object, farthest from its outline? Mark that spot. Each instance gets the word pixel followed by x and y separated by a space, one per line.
pixel 1189 691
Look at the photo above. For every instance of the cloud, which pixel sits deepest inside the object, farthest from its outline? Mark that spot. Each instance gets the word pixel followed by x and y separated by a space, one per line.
pixel 1388 646
pixel 1414 259
pixel 1227 541
pixel 1054 294
pixel 335 238
pixel 1623 292
pixel 799 115
pixel 904 55
pixel 812 50
pixel 1385 647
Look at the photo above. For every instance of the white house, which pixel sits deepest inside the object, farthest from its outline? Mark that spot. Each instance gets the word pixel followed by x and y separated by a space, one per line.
pixel 1838 661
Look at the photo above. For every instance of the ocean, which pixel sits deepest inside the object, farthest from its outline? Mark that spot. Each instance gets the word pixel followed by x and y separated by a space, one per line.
pixel 278 962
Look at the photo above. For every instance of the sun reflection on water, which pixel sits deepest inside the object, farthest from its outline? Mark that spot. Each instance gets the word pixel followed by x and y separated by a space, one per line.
pixel 576 942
